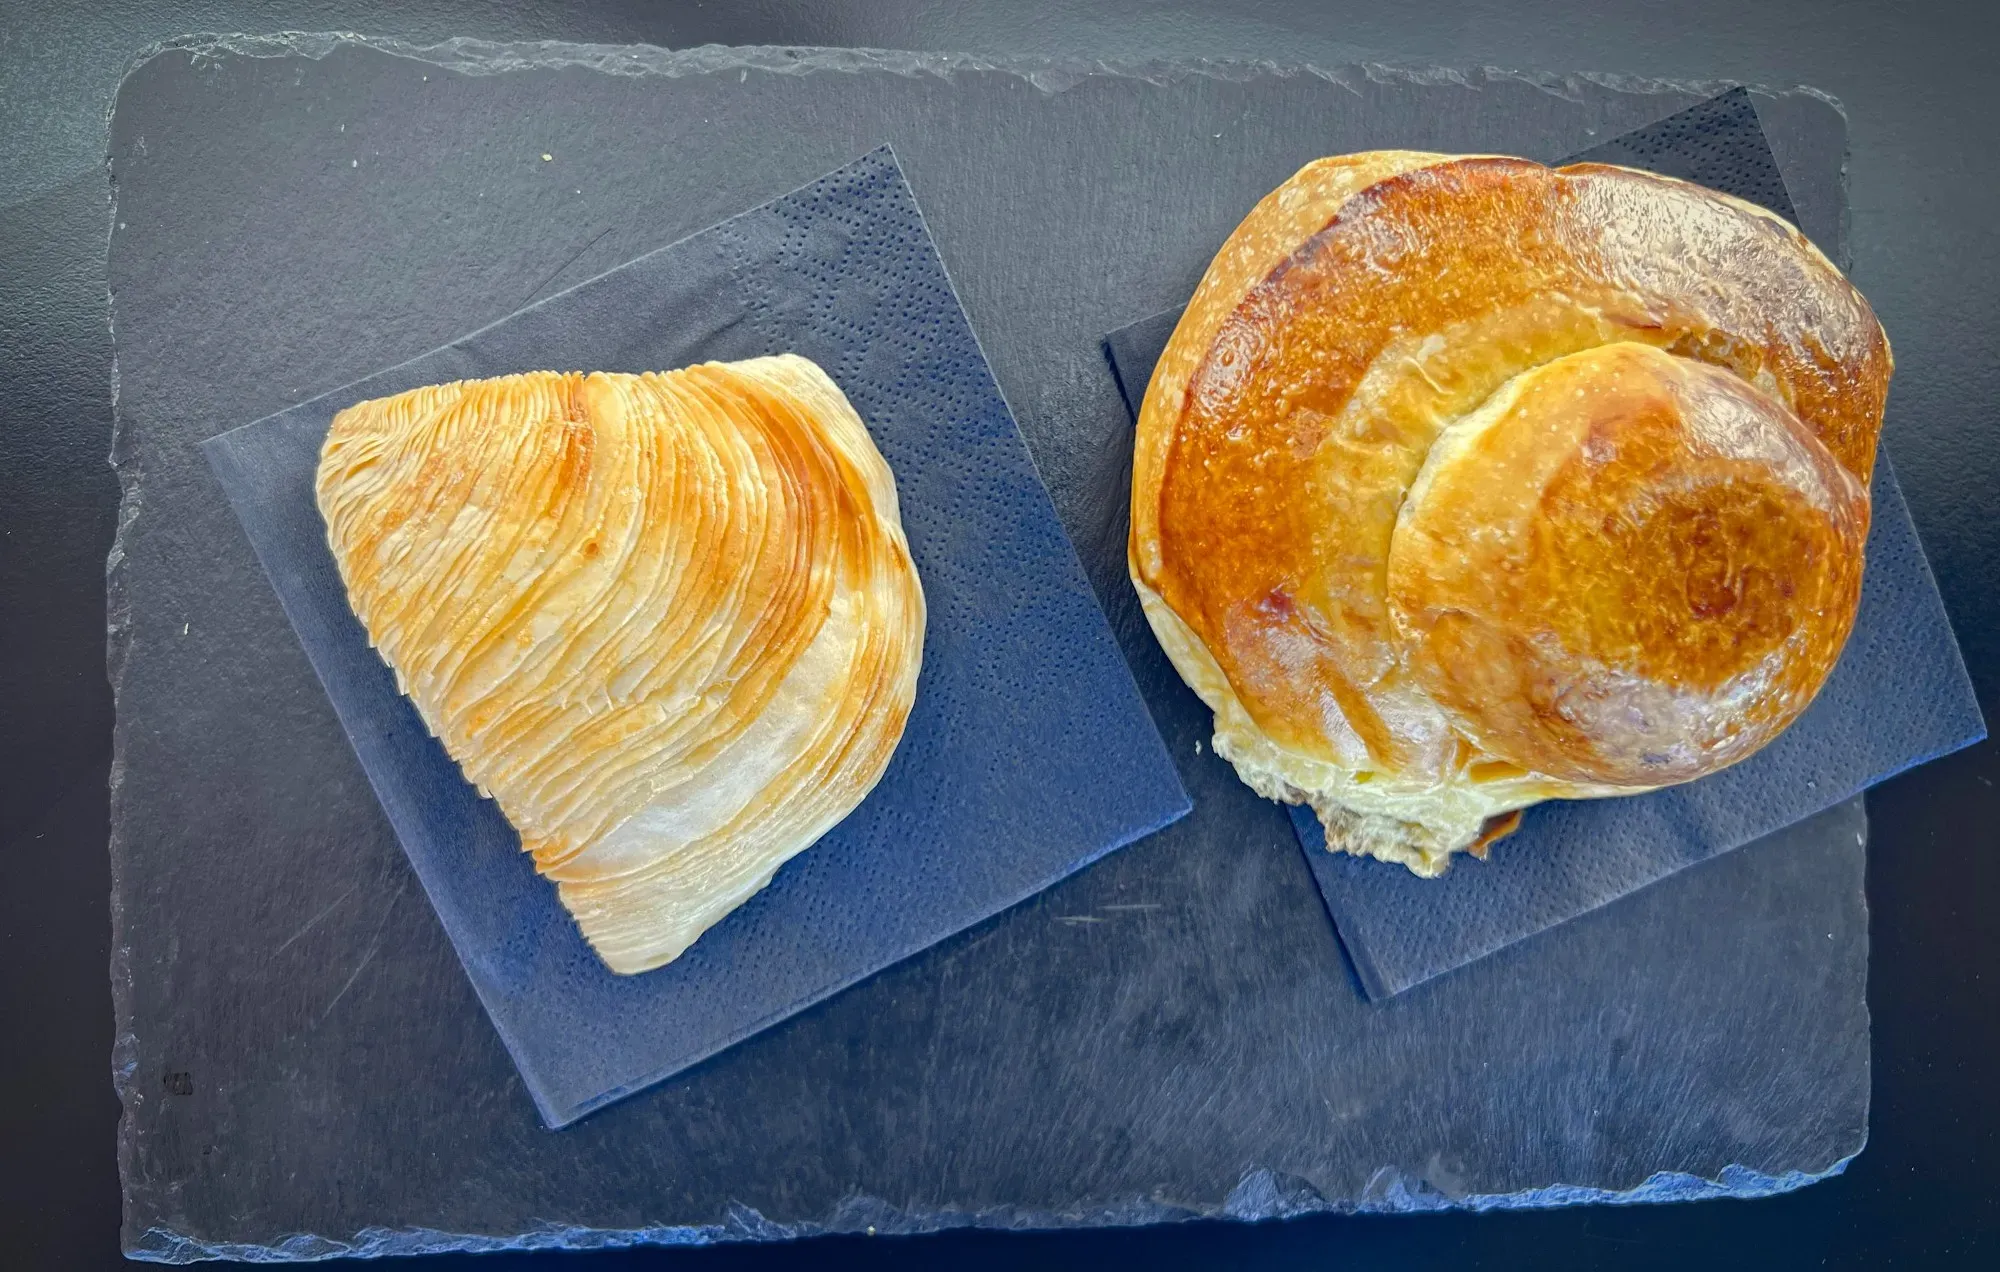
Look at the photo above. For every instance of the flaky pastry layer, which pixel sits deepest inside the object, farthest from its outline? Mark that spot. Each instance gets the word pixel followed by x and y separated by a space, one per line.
pixel 668 621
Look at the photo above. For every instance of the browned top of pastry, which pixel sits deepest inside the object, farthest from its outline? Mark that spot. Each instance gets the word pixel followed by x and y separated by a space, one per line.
pixel 1376 300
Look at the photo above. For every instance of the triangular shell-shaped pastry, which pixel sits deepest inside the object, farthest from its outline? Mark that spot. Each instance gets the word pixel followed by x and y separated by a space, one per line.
pixel 668 621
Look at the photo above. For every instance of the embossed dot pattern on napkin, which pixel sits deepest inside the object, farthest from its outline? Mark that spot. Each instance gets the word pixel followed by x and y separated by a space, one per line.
pixel 1028 754
pixel 1899 696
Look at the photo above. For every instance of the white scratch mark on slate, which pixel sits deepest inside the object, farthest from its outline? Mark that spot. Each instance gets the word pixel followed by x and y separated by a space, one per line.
pixel 373 948
pixel 310 923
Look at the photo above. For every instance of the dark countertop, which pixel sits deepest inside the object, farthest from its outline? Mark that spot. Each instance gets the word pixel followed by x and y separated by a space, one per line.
pixel 1923 181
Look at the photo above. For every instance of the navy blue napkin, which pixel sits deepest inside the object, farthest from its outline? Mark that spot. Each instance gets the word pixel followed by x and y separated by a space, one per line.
pixel 1028 754
pixel 1899 696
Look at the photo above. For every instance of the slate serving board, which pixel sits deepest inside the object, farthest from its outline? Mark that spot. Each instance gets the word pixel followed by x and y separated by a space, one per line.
pixel 1169 1033
pixel 1899 697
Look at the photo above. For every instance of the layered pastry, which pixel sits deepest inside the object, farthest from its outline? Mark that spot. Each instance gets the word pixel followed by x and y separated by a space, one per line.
pixel 1466 483
pixel 669 622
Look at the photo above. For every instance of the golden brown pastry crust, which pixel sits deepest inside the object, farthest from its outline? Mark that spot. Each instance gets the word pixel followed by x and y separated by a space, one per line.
pixel 668 621
pixel 1628 568
pixel 1362 309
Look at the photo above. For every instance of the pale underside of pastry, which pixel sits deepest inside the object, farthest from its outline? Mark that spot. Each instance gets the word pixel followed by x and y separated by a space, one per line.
pixel 668 621
pixel 1465 483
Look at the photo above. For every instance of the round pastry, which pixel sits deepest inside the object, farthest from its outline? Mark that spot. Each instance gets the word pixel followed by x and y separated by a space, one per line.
pixel 1466 483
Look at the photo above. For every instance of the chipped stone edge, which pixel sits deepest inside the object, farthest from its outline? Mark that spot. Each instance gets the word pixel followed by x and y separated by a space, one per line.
pixel 1261 1194
pixel 117 653
pixel 1052 75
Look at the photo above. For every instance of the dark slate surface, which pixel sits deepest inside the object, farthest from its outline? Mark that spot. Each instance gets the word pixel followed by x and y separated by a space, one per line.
pixel 1899 697
pixel 1025 711
pixel 1171 1032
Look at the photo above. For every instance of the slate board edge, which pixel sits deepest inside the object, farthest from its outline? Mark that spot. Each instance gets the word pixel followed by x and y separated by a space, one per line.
pixel 482 57
pixel 1050 74
pixel 1261 1194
